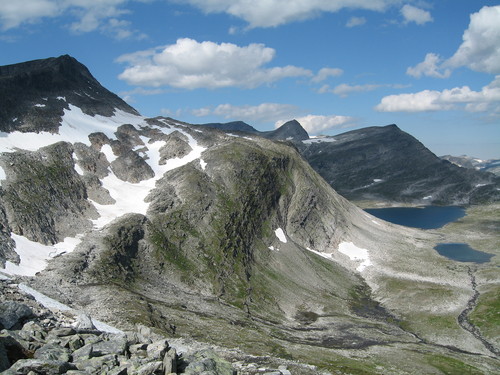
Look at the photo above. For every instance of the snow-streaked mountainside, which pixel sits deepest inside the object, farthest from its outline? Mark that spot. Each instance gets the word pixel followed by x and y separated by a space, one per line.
pixel 387 164
pixel 228 239
pixel 491 165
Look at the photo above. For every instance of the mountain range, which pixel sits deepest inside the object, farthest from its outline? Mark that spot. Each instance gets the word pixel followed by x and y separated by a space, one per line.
pixel 385 164
pixel 228 237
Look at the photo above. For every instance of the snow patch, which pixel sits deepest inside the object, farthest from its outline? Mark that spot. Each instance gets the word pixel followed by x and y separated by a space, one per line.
pixel 78 169
pixel 427 197
pixel 480 185
pixel 34 255
pixel 63 98
pixel 52 304
pixel 41 298
pixel 3 176
pixel 357 254
pixel 272 248
pixel 280 234
pixel 108 152
pixel 40 105
pixel 377 180
pixel 203 164
pixel 319 140
pixel 324 255
pixel 14 119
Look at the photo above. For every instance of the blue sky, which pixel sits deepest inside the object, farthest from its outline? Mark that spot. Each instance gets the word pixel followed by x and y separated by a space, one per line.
pixel 431 67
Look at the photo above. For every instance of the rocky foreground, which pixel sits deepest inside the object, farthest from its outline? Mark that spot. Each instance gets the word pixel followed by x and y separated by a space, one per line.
pixel 36 340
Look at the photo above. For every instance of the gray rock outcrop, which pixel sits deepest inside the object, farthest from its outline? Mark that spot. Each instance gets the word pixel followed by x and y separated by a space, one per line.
pixel 44 198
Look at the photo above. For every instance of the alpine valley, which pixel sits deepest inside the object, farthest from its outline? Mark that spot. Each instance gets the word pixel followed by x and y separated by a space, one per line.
pixel 220 250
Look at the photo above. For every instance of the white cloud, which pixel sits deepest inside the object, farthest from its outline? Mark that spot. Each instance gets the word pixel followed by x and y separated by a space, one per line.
pixel 480 49
pixel 324 73
pixel 128 96
pixel 189 64
pixel 459 98
pixel 356 21
pixel 265 13
pixel 429 67
pixel 316 124
pixel 90 15
pixel 14 13
pixel 345 89
pixel 414 14
pixel 265 112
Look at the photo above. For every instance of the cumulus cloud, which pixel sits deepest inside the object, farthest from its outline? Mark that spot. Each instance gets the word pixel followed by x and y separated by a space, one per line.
pixel 14 13
pixel 324 73
pixel 265 13
pixel 190 64
pixel 265 112
pixel 414 14
pixel 88 16
pixel 316 124
pixel 429 67
pixel 480 49
pixel 356 21
pixel 458 98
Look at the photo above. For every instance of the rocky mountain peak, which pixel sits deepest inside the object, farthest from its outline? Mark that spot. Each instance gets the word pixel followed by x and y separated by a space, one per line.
pixel 35 93
pixel 291 130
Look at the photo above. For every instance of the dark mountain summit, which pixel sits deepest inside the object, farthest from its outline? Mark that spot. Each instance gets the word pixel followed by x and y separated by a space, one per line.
pixel 387 163
pixel 34 94
pixel 291 131
pixel 239 126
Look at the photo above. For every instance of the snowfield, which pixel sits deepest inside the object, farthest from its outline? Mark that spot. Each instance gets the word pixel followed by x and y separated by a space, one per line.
pixel 129 197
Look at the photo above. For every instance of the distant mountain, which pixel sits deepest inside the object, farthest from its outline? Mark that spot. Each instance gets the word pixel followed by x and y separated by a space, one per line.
pixel 239 126
pixel 34 94
pixel 491 165
pixel 289 131
pixel 385 163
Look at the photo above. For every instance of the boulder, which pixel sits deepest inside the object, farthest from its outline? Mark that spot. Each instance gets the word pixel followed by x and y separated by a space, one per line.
pixel 39 366
pixel 13 314
pixel 53 352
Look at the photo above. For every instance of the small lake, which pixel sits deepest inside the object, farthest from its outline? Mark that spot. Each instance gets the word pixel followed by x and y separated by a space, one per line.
pixel 462 252
pixel 433 217
pixel 428 217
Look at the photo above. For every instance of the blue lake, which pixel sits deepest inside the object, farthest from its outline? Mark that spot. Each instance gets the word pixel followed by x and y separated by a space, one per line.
pixel 462 252
pixel 433 217
pixel 429 217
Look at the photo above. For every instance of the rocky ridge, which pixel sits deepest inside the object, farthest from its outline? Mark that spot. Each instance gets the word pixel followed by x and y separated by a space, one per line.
pixel 36 340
